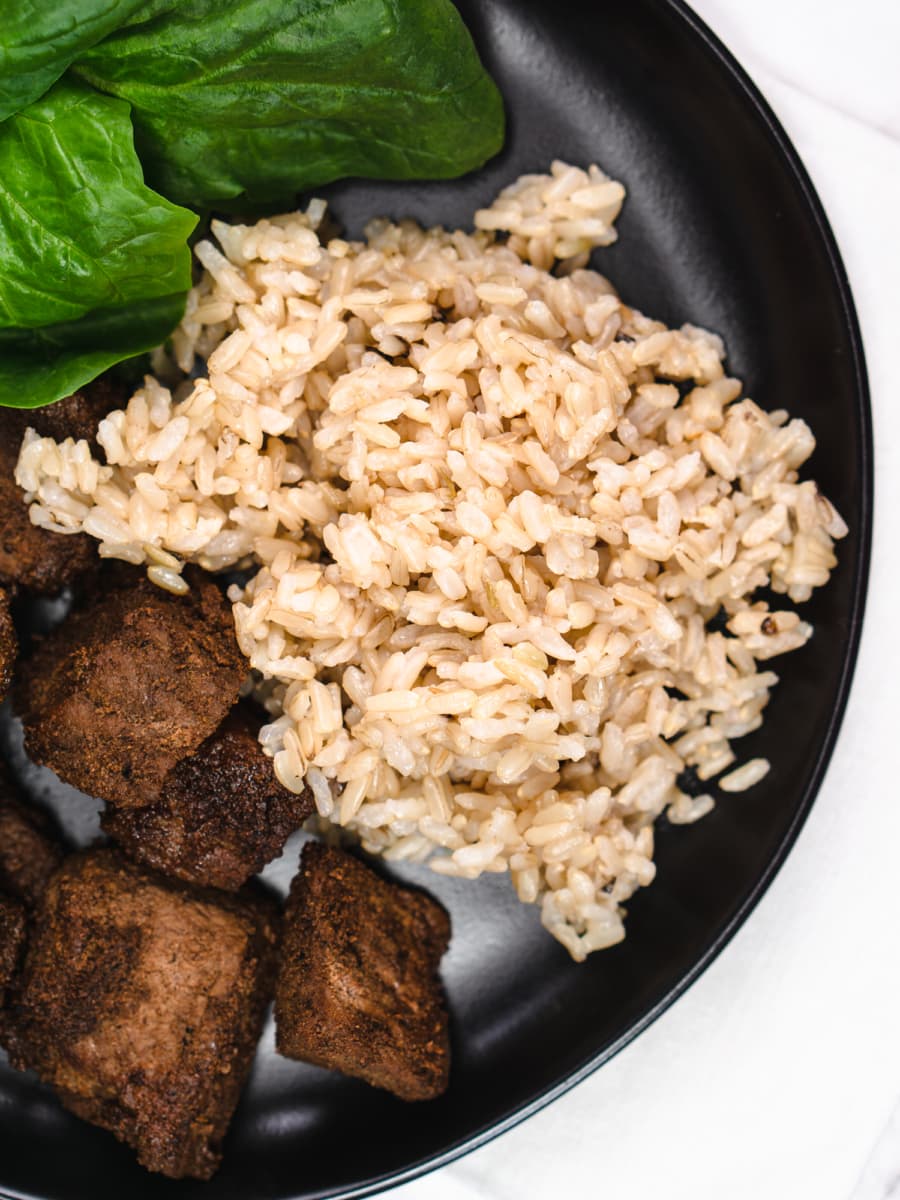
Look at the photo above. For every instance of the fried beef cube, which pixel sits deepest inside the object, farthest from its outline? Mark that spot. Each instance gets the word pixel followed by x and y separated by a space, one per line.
pixel 29 849
pixel 77 416
pixel 141 1002
pixel 222 814
pixel 125 689
pixel 36 558
pixel 12 941
pixel 358 987
pixel 13 933
pixel 9 645
pixel 30 852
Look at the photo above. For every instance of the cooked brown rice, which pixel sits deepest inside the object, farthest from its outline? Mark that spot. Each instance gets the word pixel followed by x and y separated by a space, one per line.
pixel 491 533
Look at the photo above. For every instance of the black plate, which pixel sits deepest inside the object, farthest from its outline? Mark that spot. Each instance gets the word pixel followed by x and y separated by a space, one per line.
pixel 721 228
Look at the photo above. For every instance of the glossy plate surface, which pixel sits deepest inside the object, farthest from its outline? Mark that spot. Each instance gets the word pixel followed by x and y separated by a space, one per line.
pixel 721 228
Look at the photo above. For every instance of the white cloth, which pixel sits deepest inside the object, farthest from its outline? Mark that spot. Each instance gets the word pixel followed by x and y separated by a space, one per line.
pixel 775 1077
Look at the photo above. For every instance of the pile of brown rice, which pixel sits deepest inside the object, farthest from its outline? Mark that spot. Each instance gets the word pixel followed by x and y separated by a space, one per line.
pixel 491 532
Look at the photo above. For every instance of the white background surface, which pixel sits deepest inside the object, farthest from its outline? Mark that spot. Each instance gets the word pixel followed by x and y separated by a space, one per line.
pixel 777 1076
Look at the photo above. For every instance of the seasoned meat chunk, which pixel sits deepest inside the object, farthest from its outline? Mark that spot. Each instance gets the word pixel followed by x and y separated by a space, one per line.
pixel 125 689
pixel 358 987
pixel 31 557
pixel 9 645
pixel 77 416
pixel 30 852
pixel 222 814
pixel 12 942
pixel 29 849
pixel 141 1002
pixel 35 558
pixel 13 933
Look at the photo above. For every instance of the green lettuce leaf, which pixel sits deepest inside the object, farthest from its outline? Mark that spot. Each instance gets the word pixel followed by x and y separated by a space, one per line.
pixel 79 230
pixel 38 40
pixel 39 366
pixel 94 266
pixel 255 100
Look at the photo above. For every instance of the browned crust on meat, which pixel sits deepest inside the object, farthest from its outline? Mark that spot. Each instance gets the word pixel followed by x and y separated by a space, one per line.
pixel 141 1003
pixel 12 940
pixel 9 645
pixel 358 987
pixel 13 932
pixel 77 416
pixel 29 850
pixel 35 558
pixel 222 815
pixel 118 695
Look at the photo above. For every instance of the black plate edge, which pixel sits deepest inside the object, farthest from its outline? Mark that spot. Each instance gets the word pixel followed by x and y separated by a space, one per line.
pixel 783 145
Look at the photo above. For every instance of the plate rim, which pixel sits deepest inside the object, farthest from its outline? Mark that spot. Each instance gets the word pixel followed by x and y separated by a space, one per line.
pixel 791 159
